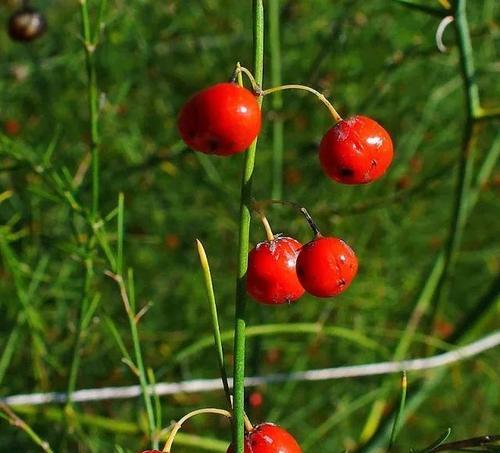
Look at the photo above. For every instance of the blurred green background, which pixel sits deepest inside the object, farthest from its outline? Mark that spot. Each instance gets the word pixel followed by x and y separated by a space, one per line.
pixel 370 57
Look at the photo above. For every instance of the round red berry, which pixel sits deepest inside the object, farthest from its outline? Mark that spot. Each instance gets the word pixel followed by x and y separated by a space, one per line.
pixel 357 150
pixel 269 438
pixel 271 277
pixel 11 127
pixel 26 24
pixel 326 266
pixel 223 119
pixel 255 399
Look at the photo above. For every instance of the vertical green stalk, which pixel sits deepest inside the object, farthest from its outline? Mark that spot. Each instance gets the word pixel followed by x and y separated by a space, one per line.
pixel 127 291
pixel 466 162
pixel 464 197
pixel 89 46
pixel 277 101
pixel 93 103
pixel 244 233
pixel 139 362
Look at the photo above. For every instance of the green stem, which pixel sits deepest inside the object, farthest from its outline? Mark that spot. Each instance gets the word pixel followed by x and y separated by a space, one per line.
pixel 243 246
pixel 127 292
pixel 75 361
pixel 89 46
pixel 215 319
pixel 120 427
pixel 466 59
pixel 277 101
pixel 14 420
pixel 464 199
pixel 395 426
pixel 467 154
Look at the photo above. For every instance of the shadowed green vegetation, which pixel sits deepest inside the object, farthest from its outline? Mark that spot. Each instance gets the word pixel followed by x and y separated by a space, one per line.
pixel 372 57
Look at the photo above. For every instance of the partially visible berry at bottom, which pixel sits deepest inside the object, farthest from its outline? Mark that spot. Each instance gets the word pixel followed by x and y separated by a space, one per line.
pixel 269 438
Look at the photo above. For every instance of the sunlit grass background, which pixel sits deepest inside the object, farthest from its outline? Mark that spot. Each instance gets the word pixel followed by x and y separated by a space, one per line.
pixel 371 57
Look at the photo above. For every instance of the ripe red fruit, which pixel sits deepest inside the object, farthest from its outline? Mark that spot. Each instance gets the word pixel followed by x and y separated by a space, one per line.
pixel 269 438
pixel 255 399
pixel 271 277
pixel 223 119
pixel 356 151
pixel 11 127
pixel 326 266
pixel 26 24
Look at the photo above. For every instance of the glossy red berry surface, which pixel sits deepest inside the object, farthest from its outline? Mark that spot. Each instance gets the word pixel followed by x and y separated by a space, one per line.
pixel 269 438
pixel 326 266
pixel 223 119
pixel 26 24
pixel 271 277
pixel 357 150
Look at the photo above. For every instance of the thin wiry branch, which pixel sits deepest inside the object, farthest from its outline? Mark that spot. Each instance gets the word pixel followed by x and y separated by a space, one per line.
pixel 205 385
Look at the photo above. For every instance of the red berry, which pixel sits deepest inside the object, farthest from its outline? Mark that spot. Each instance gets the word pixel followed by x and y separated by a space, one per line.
pixel 326 266
pixel 223 119
pixel 269 438
pixel 272 278
pixel 255 399
pixel 26 24
pixel 12 127
pixel 356 151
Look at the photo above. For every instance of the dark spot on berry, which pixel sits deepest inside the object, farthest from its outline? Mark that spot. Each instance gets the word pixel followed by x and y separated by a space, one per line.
pixel 346 172
pixel 341 282
pixel 213 144
pixel 373 163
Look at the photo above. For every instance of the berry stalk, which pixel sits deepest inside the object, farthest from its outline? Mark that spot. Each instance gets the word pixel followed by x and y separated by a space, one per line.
pixel 336 116
pixel 178 425
pixel 243 247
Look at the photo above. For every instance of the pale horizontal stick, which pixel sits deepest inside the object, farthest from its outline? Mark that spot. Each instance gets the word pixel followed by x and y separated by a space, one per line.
pixel 205 385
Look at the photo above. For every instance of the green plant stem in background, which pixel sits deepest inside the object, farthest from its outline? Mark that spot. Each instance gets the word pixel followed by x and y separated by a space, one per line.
pixel 397 418
pixel 127 292
pixel 243 245
pixel 464 199
pixel 89 46
pixel 424 388
pixel 122 427
pixel 7 413
pixel 467 154
pixel 277 100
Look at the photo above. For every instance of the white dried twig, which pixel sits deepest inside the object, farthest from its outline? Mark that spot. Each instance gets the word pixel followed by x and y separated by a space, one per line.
pixel 205 385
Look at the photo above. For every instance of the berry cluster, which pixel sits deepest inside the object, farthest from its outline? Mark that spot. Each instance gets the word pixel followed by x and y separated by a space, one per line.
pixel 281 269
pixel 225 119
